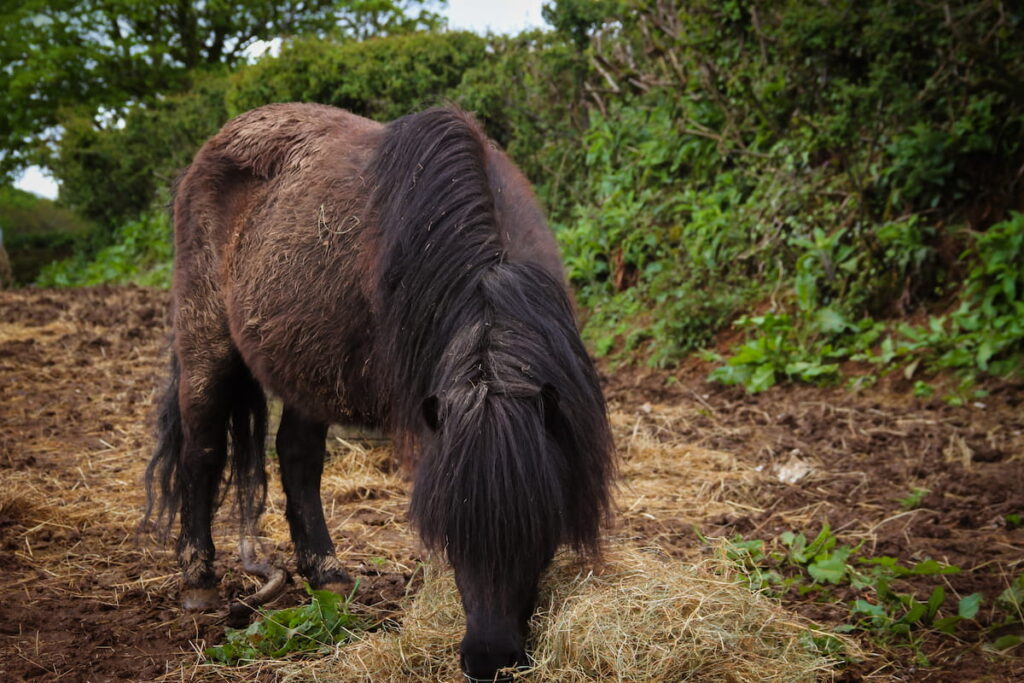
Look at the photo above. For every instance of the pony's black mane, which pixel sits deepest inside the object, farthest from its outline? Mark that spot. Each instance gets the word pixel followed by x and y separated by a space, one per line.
pixel 485 351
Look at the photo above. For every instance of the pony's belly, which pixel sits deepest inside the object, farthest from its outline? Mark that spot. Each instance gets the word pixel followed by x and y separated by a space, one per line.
pixel 316 387
pixel 298 348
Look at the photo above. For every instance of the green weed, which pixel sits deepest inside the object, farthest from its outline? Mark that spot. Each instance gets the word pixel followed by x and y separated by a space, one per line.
pixel 913 500
pixel 307 629
pixel 821 566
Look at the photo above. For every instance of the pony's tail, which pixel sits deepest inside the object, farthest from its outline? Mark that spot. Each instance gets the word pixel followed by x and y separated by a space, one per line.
pixel 248 431
pixel 163 493
pixel 247 428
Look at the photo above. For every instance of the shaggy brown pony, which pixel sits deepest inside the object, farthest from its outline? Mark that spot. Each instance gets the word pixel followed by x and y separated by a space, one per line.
pixel 400 275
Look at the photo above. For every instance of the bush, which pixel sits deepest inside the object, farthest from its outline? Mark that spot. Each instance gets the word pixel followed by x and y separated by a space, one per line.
pixel 114 173
pixel 380 78
pixel 816 162
pixel 36 231
pixel 812 171
pixel 140 253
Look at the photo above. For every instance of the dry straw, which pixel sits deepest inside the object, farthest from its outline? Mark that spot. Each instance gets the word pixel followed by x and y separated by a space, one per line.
pixel 642 616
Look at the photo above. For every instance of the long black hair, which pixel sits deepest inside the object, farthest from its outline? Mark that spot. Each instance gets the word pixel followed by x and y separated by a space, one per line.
pixel 486 381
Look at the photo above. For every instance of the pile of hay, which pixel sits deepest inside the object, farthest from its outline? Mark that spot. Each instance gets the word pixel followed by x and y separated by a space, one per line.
pixel 641 617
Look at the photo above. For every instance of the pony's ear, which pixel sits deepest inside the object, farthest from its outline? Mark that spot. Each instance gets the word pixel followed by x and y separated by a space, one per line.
pixel 431 412
pixel 549 397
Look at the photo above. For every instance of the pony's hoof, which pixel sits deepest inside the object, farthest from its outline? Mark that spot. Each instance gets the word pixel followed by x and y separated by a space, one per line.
pixel 200 599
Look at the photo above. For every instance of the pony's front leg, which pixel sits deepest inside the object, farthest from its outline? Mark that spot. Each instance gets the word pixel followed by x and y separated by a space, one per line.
pixel 204 450
pixel 301 448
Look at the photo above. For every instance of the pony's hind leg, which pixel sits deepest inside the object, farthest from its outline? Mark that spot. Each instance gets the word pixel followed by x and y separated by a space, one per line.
pixel 301 447
pixel 203 454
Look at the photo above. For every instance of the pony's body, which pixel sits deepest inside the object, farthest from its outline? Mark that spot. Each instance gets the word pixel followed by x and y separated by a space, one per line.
pixel 399 275
pixel 308 214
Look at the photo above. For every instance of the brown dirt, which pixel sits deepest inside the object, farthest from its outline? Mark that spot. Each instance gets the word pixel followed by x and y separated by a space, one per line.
pixel 866 452
pixel 83 597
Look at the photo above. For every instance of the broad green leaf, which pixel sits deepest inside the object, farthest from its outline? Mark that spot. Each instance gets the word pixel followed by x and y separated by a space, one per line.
pixel 969 605
pixel 865 607
pixel 831 321
pixel 763 378
pixel 831 569
pixel 823 541
pixel 1006 642
pixel 931 567
pixel 914 614
pixel 935 601
pixel 1012 599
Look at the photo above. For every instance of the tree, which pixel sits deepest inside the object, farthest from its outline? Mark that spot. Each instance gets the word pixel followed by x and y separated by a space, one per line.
pixel 93 58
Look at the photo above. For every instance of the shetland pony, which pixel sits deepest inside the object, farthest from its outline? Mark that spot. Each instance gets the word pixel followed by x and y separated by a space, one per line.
pixel 399 275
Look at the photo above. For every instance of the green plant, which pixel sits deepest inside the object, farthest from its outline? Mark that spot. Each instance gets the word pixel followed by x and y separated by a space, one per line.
pixel 913 500
pixel 1010 603
pixel 141 253
pixel 36 231
pixel 314 628
pixel 382 78
pixel 821 565
pixel 985 334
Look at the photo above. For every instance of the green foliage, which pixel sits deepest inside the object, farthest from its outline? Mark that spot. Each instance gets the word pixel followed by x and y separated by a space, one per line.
pixel 824 567
pixel 684 262
pixel 36 231
pixel 140 253
pixel 23 214
pixel 809 172
pixel 362 19
pixel 526 93
pixel 577 19
pixel 315 628
pixel 94 58
pixel 1011 604
pixel 913 500
pixel 113 174
pixel 985 333
pixel 379 78
pixel 819 156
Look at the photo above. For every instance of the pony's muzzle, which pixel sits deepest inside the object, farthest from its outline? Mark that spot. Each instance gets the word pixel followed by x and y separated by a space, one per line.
pixel 489 666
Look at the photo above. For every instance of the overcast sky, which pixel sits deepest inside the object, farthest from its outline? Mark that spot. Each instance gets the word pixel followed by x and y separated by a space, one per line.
pixel 506 16
pixel 500 16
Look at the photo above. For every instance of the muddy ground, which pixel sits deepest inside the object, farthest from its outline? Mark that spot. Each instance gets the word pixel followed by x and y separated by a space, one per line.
pixel 85 597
